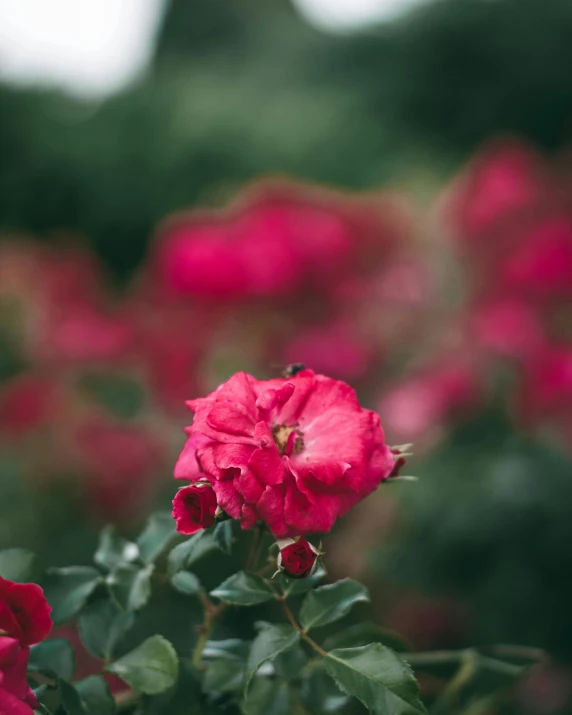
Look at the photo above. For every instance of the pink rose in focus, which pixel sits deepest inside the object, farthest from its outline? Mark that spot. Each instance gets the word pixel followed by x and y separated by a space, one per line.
pixel 296 452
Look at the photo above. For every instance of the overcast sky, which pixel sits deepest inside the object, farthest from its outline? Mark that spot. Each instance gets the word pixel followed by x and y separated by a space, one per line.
pixel 94 47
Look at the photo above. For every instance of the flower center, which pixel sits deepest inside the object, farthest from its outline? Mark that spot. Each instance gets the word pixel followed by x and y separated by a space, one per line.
pixel 288 440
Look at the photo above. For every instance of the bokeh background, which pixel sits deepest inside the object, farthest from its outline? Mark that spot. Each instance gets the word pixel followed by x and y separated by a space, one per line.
pixel 382 191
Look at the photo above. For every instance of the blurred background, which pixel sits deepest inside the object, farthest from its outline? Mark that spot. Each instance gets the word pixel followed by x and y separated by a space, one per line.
pixel 380 189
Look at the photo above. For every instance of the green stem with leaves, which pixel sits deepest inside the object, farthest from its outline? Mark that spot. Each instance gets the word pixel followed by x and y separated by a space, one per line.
pixel 290 616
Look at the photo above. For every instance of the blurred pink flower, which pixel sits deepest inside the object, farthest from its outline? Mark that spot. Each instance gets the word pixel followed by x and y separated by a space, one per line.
pixel 546 386
pixel 27 402
pixel 507 327
pixel 121 464
pixel 415 409
pixel 539 264
pixel 504 179
pixel 337 349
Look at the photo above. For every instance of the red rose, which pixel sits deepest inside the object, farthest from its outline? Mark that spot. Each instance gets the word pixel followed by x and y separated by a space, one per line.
pixel 24 612
pixel 16 697
pixel 295 452
pixel 297 559
pixel 194 508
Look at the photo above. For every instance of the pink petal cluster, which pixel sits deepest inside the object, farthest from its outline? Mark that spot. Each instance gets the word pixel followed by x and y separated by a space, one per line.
pixel 24 621
pixel 295 453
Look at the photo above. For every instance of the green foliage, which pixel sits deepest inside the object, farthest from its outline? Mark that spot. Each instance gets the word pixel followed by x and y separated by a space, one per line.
pixel 156 536
pixel 267 695
pixel 151 668
pixel 243 589
pixel 224 675
pixel 95 695
pixel 320 694
pixel 19 565
pixel 329 603
pixel 364 634
pixel 130 585
pixel 53 658
pixel 102 625
pixel 186 582
pixel 378 677
pixel 294 586
pixel 71 700
pixel 114 550
pixel 281 671
pixel 223 537
pixel 270 642
pixel 190 551
pixel 67 589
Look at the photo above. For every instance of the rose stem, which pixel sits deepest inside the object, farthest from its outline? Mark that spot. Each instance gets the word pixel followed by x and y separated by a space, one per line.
pixel 290 616
pixel 254 552
pixel 212 614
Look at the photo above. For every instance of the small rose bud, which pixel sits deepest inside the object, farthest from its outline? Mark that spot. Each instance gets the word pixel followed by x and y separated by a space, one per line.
pixel 194 508
pixel 297 557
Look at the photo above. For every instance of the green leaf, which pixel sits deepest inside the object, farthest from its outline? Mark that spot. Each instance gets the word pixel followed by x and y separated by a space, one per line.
pixel 320 693
pixel 191 550
pixel 269 643
pixel 102 625
pixel 224 676
pixel 295 586
pixel 68 589
pixel 331 602
pixel 95 695
pixel 223 536
pixel 20 565
pixel 130 586
pixel 113 549
pixel 71 700
pixel 54 658
pixel 185 698
pixel 151 668
pixel 364 634
pixel 378 677
pixel 186 582
pixel 243 589
pixel 229 648
pixel 289 664
pixel 156 535
pixel 268 695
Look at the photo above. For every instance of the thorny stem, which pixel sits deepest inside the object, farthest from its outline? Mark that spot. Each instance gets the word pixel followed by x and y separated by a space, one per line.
pixel 290 616
pixel 212 614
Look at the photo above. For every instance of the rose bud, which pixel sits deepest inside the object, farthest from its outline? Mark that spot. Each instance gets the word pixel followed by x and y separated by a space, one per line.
pixel 297 558
pixel 194 508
